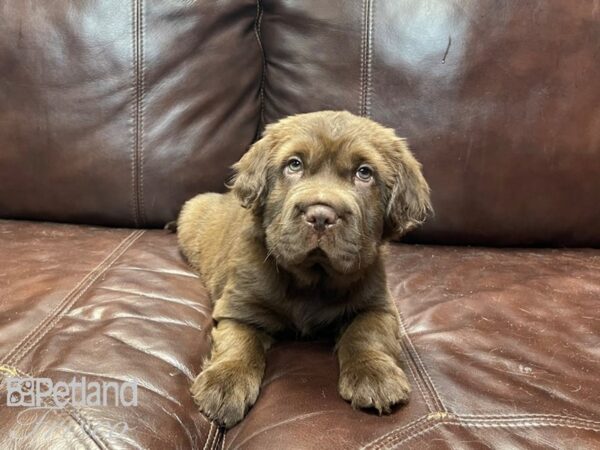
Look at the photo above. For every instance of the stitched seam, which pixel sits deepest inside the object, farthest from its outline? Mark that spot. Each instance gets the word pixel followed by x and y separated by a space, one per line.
pixel 134 200
pixel 261 91
pixel 478 421
pixel 142 111
pixel 366 58
pixel 415 424
pixel 23 346
pixel 410 363
pixel 10 355
pixel 85 424
pixel 223 436
pixel 527 421
pixel 136 109
pixel 59 312
pixel 535 424
pixel 406 344
pixel 420 433
pixel 67 304
pixel 362 58
pixel 208 437
pixel 369 43
pixel 490 425
pixel 220 438
pixel 73 414
pixel 529 416
pixel 215 440
pixel 421 366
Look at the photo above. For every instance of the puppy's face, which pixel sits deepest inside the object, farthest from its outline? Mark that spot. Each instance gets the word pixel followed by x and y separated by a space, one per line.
pixel 330 187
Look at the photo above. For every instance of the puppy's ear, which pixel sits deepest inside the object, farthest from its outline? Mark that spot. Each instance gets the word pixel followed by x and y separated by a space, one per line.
pixel 250 182
pixel 408 203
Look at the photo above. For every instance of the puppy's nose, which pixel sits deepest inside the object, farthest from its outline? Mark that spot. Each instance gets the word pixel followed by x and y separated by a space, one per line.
pixel 320 217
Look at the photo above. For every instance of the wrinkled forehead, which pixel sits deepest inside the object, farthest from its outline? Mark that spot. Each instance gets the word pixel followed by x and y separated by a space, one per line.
pixel 330 147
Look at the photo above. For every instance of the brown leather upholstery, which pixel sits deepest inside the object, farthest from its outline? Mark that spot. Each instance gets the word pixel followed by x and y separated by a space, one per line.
pixel 501 347
pixel 115 112
pixel 121 126
pixel 108 304
pixel 498 100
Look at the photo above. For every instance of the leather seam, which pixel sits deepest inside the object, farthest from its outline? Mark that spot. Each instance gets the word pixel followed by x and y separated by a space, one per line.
pixel 528 416
pixel 395 442
pixel 137 112
pixel 223 436
pixel 362 60
pixel 421 432
pixel 33 337
pixel 216 438
pixel 209 436
pixel 369 59
pixel 67 303
pixel 366 58
pixel 414 373
pixel 421 366
pixel 134 89
pixel 142 34
pixel 432 420
pixel 531 421
pixel 261 91
pixel 415 424
pixel 419 374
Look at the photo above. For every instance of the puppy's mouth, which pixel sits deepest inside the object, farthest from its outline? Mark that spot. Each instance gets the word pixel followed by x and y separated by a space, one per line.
pixel 327 253
pixel 332 242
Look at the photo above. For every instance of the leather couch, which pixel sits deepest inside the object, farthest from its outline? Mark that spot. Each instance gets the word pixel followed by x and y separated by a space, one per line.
pixel 112 113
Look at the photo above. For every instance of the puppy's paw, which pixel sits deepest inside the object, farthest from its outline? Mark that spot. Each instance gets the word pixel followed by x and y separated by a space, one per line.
pixel 225 391
pixel 377 383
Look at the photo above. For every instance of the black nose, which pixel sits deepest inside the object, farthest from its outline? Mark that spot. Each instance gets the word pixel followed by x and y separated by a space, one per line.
pixel 320 217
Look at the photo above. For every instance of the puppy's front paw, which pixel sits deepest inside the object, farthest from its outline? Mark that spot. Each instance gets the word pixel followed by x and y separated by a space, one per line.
pixel 225 391
pixel 376 383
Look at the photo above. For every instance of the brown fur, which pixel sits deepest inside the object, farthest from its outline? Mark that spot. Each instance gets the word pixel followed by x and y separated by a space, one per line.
pixel 268 272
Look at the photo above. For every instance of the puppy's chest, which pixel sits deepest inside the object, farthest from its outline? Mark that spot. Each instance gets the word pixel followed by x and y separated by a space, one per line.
pixel 310 313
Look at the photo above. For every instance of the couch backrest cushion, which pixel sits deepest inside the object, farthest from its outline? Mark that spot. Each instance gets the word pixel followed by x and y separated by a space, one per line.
pixel 115 112
pixel 500 101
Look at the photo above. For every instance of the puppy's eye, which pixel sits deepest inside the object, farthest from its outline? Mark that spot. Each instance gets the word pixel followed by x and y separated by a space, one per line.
pixel 294 165
pixel 364 173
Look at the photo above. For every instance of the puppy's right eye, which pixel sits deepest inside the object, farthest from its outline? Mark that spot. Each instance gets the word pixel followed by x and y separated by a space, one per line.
pixel 294 165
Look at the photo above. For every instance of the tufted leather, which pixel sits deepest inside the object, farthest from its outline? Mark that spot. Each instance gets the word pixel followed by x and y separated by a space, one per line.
pixel 500 345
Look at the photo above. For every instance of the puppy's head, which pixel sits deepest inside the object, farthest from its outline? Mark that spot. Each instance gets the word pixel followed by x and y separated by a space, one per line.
pixel 329 187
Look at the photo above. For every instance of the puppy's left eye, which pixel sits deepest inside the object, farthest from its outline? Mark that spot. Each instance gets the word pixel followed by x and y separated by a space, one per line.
pixel 294 165
pixel 364 173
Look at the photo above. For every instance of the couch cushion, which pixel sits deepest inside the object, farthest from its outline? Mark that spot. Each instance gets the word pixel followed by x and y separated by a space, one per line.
pixel 108 305
pixel 499 107
pixel 501 347
pixel 116 112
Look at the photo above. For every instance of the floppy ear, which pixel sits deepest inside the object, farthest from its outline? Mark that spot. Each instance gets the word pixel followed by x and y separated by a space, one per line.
pixel 408 204
pixel 249 183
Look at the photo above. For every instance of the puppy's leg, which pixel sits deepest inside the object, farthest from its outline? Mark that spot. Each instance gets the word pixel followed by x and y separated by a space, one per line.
pixel 231 379
pixel 368 353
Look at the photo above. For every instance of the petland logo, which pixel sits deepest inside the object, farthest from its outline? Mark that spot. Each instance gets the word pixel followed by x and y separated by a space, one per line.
pixel 33 392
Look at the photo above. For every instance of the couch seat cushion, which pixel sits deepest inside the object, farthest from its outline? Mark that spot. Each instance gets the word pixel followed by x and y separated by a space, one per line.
pixel 501 346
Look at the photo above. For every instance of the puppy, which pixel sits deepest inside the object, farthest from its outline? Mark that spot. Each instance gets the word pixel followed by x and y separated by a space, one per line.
pixel 297 247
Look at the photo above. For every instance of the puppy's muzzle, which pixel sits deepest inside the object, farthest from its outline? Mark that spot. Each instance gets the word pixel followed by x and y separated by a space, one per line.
pixel 320 217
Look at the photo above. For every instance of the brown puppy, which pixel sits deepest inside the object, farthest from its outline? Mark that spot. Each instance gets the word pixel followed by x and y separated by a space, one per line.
pixel 297 247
